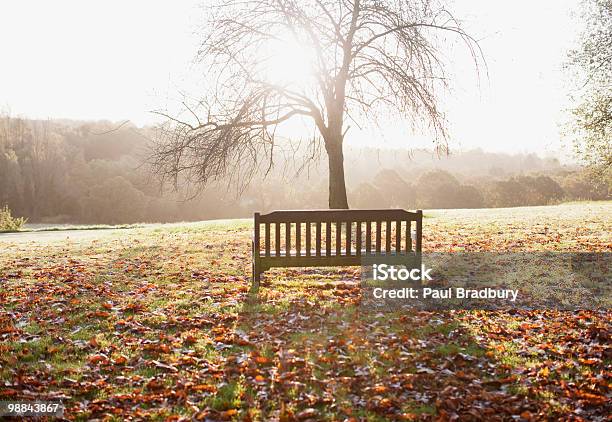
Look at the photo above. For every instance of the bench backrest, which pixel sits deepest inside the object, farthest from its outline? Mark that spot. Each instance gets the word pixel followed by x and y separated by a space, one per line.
pixel 324 233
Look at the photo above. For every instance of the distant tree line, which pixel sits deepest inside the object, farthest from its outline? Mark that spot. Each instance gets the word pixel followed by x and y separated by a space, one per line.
pixel 441 189
pixel 93 172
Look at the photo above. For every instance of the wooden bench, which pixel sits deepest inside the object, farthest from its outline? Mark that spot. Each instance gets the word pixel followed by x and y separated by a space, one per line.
pixel 324 238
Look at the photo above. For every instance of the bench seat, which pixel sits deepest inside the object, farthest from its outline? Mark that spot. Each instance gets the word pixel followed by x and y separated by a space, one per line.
pixel 333 253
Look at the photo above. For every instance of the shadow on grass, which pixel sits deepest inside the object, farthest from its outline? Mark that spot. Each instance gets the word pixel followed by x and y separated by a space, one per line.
pixel 318 354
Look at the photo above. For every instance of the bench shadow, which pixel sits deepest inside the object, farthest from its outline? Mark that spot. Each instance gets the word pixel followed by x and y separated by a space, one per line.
pixel 319 351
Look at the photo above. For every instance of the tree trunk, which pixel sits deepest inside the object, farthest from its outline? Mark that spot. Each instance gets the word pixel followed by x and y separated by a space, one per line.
pixel 334 138
pixel 337 187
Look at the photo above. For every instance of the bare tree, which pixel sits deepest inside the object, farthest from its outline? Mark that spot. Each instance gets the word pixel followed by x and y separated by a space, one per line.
pixel 371 58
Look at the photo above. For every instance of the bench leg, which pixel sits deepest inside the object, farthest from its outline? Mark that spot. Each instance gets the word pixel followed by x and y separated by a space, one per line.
pixel 256 277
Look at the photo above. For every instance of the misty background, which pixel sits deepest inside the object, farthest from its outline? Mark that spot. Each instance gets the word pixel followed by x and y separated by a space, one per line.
pixel 58 172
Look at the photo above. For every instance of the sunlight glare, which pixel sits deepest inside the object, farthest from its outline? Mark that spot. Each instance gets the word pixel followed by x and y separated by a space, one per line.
pixel 290 63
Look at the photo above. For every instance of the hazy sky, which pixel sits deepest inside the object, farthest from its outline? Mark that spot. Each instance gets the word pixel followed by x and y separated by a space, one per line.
pixel 118 60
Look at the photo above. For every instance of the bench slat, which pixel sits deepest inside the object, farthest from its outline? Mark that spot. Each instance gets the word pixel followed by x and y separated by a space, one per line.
pixel 408 236
pixel 277 238
pixel 388 238
pixel 298 239
pixel 318 246
pixel 358 238
pixel 342 253
pixel 288 237
pixel 349 229
pixel 419 228
pixel 327 262
pixel 328 238
pixel 308 234
pixel 267 239
pixel 378 236
pixel 331 216
pixel 398 237
pixel 338 238
pixel 368 237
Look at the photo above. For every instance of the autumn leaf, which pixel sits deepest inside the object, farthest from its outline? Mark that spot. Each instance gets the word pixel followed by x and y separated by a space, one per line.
pixel 190 339
pixel 98 358
pixel 205 388
pixel 228 414
pixel 262 360
pixel 120 360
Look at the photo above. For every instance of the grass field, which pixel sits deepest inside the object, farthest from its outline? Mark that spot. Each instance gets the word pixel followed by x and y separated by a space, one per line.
pixel 158 323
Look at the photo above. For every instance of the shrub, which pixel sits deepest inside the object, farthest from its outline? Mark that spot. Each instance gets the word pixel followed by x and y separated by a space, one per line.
pixel 8 223
pixel 367 196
